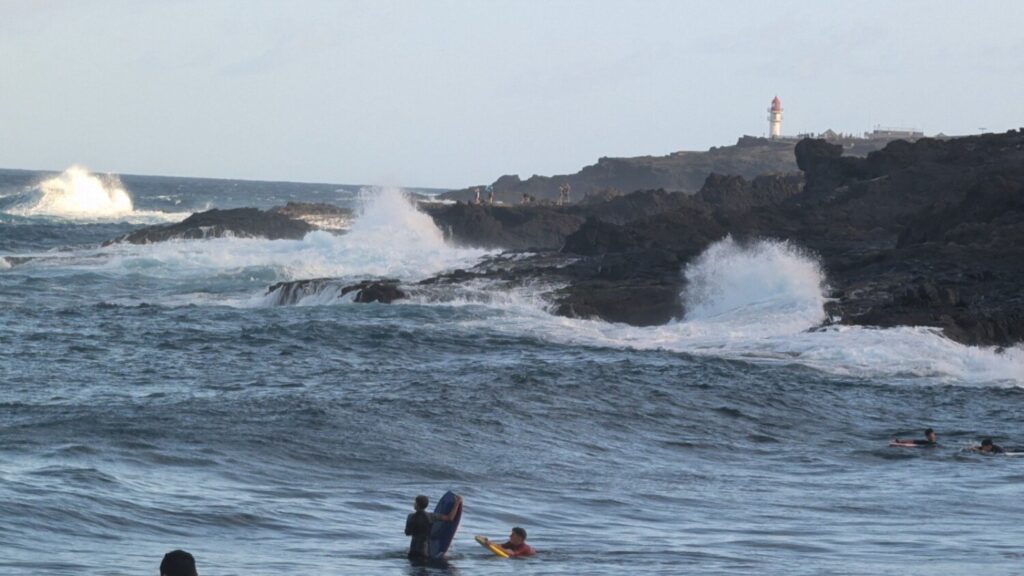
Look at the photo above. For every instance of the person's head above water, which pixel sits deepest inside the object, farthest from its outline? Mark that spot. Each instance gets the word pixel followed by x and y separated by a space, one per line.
pixel 422 502
pixel 518 536
pixel 986 445
pixel 178 563
pixel 930 435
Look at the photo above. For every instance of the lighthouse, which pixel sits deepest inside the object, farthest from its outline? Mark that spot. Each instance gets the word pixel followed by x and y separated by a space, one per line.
pixel 775 118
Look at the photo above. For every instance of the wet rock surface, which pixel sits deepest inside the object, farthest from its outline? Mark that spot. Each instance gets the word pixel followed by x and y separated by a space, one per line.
pixel 326 290
pixel 290 222
pixel 929 233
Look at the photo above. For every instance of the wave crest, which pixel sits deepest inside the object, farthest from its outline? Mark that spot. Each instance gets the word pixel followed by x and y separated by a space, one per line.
pixel 77 194
pixel 763 288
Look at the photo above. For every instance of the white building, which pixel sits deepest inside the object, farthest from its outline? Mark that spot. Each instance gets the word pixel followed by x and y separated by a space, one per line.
pixel 775 119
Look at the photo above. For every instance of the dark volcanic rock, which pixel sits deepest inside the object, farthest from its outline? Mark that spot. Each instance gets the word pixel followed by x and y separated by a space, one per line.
pixel 238 222
pixel 929 233
pixel 292 292
pixel 319 215
pixel 736 194
pixel 678 172
pixel 383 291
pixel 640 287
pixel 514 227
pixel 328 289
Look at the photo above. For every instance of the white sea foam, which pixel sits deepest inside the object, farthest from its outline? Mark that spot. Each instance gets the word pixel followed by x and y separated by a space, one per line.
pixel 389 238
pixel 77 194
pixel 763 302
pixel 753 291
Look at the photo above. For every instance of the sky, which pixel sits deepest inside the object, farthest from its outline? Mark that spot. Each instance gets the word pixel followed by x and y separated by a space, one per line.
pixel 454 93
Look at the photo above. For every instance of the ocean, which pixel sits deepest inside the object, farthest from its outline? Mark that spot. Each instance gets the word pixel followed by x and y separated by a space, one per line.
pixel 152 398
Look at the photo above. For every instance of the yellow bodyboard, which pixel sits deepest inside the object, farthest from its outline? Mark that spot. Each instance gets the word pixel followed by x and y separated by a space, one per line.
pixel 494 548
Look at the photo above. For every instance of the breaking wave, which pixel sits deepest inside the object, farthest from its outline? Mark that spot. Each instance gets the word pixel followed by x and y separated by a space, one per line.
pixel 762 289
pixel 764 302
pixel 77 194
pixel 389 238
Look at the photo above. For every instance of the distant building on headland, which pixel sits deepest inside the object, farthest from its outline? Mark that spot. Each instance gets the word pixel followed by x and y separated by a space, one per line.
pixel 775 118
pixel 879 134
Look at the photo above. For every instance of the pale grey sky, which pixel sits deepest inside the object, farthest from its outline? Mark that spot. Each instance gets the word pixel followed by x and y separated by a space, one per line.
pixel 451 93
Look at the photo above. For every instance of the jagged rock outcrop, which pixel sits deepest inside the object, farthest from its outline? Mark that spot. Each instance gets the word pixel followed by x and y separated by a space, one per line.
pixel 327 290
pixel 290 222
pixel 317 214
pixel 929 233
pixel 513 227
pixel 237 222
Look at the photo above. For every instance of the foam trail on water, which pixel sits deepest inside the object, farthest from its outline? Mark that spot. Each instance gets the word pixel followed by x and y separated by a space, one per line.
pixel 77 194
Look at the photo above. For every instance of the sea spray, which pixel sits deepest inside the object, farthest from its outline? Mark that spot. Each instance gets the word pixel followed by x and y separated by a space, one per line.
pixel 763 302
pixel 77 194
pixel 762 288
pixel 389 238
pixel 387 215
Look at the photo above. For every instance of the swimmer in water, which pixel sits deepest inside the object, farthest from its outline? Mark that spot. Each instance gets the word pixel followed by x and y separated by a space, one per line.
pixel 987 447
pixel 516 545
pixel 930 439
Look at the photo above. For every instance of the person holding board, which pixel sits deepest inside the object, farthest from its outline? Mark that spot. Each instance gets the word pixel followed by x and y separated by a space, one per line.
pixel 419 524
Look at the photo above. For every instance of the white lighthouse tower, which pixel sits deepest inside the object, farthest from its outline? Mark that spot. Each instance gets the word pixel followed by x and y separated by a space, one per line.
pixel 775 118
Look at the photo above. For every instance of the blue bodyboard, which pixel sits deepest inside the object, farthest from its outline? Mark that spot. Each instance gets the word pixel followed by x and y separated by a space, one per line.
pixel 442 533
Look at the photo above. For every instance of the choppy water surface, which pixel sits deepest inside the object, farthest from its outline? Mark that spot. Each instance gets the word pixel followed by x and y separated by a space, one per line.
pixel 150 399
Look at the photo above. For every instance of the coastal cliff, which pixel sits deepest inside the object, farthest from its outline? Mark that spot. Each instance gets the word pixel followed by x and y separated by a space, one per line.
pixel 677 172
pixel 929 233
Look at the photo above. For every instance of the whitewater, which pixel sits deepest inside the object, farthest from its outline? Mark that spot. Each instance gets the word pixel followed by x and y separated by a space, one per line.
pixel 153 397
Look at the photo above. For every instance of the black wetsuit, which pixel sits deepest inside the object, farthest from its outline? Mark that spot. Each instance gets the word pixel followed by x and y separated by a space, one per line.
pixel 996 449
pixel 418 526
pixel 928 443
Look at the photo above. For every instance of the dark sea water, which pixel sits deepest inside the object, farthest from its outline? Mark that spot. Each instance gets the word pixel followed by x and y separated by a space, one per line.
pixel 151 398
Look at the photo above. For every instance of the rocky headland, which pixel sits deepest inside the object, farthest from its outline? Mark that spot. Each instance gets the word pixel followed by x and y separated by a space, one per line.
pixel 677 172
pixel 929 233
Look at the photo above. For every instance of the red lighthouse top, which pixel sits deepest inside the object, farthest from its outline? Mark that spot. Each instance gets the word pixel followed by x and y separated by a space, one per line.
pixel 776 105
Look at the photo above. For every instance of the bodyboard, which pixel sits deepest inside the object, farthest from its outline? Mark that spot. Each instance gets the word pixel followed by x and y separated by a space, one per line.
pixel 442 533
pixel 494 548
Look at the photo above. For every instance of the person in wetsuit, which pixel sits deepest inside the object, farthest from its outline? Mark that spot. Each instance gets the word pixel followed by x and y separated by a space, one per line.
pixel 930 439
pixel 516 545
pixel 419 523
pixel 987 447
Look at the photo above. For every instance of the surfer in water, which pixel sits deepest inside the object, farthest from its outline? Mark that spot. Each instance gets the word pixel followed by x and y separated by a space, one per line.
pixel 987 447
pixel 516 545
pixel 418 525
pixel 930 439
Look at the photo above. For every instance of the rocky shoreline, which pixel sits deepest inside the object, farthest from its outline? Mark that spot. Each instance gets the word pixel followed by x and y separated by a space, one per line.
pixel 929 233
